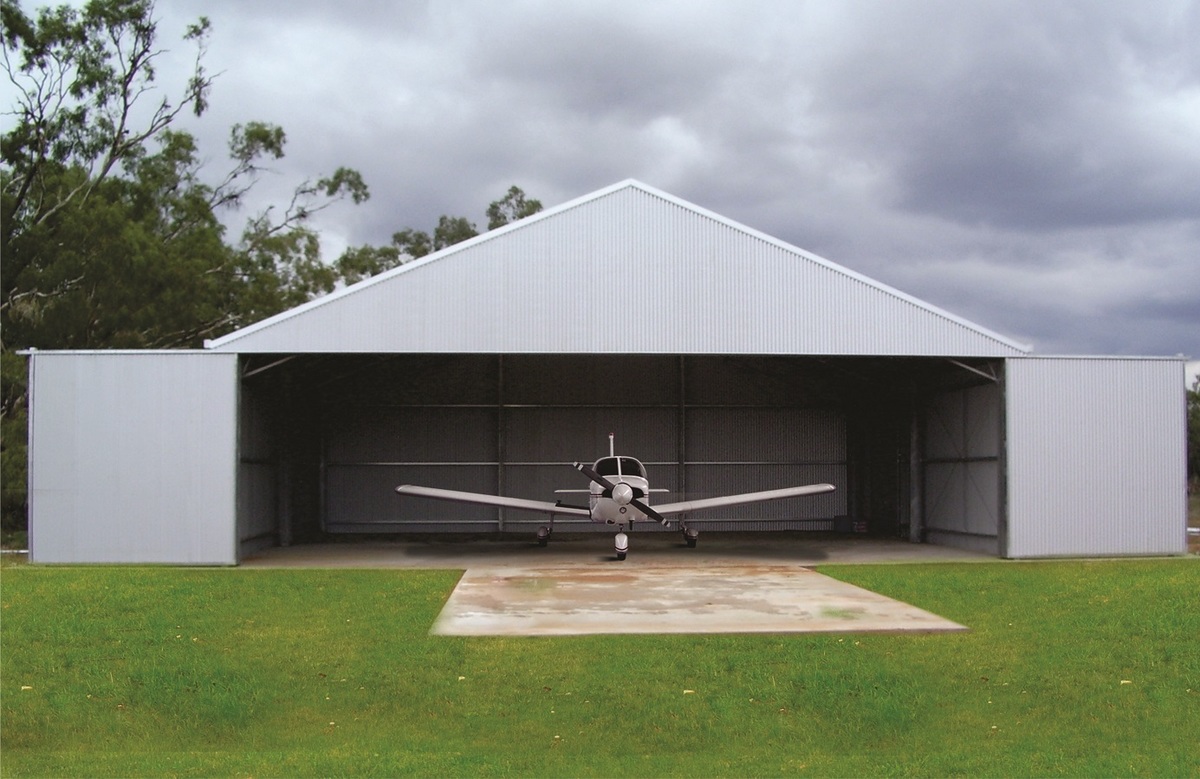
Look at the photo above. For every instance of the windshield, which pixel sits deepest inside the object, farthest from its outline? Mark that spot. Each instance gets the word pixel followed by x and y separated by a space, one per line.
pixel 620 466
pixel 631 467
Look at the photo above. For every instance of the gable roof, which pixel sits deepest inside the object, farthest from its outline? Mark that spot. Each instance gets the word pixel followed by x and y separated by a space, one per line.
pixel 626 269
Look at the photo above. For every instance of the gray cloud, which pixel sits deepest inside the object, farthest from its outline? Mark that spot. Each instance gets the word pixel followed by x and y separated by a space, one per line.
pixel 1028 115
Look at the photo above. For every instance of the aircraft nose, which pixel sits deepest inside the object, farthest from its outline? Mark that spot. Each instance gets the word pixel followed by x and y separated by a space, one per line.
pixel 622 494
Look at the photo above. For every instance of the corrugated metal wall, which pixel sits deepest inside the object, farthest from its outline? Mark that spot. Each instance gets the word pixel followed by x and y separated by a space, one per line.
pixel 258 491
pixel 512 424
pixel 1096 457
pixel 133 457
pixel 961 463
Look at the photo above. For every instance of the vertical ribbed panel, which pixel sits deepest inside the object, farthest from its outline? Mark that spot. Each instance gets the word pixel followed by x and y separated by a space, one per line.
pixel 258 469
pixel 1096 457
pixel 134 457
pixel 626 270
pixel 765 435
pixel 962 468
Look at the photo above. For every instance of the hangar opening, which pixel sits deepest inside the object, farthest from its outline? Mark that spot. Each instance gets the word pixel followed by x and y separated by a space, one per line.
pixel 912 444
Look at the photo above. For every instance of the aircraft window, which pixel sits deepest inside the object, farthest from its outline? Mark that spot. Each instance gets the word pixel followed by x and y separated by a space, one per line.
pixel 631 467
pixel 607 466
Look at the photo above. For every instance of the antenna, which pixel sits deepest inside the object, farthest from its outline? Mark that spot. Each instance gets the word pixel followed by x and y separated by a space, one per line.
pixel 611 452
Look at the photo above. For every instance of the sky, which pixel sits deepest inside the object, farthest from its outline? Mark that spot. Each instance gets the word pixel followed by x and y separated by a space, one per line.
pixel 1031 166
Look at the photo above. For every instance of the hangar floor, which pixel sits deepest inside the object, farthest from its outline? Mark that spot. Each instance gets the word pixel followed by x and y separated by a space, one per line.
pixel 653 549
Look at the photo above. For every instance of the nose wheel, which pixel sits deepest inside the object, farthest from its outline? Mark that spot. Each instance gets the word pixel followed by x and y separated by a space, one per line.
pixel 621 544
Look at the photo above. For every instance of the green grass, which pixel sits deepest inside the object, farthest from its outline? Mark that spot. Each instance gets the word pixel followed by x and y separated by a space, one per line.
pixel 1070 669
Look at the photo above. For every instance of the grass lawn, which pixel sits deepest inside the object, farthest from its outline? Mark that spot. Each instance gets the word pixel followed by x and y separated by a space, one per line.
pixel 1070 669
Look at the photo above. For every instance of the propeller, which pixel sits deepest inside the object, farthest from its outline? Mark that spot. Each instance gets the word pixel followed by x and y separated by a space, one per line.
pixel 622 493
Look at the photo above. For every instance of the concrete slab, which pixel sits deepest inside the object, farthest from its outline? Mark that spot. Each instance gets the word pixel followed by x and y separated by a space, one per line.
pixel 607 599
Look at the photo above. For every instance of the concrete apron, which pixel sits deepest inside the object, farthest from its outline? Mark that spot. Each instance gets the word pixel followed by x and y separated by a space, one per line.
pixel 592 599
pixel 731 583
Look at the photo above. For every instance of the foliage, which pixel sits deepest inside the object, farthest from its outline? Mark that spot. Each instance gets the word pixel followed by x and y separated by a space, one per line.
pixel 1069 669
pixel 66 213
pixel 13 447
pixel 111 237
pixel 409 244
pixel 513 206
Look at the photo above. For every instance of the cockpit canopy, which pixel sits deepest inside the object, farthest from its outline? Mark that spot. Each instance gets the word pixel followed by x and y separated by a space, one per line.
pixel 619 466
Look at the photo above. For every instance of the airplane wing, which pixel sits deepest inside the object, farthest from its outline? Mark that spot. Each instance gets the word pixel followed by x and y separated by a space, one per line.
pixel 492 500
pixel 745 497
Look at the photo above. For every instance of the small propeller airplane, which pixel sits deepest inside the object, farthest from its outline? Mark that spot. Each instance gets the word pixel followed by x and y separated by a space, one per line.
pixel 618 495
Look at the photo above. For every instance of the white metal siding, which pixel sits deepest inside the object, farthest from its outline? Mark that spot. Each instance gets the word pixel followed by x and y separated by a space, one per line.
pixel 1096 457
pixel 133 457
pixel 625 270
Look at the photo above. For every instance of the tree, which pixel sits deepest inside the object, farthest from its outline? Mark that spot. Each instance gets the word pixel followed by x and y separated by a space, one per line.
pixel 449 231
pixel 278 262
pixel 80 77
pixel 361 262
pixel 111 236
pixel 511 207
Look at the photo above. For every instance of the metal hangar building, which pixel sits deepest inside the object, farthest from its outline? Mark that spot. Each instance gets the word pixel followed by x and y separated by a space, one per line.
pixel 725 359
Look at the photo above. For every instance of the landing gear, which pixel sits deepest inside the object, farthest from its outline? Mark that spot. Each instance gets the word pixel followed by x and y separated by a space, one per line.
pixel 621 542
pixel 690 535
pixel 543 535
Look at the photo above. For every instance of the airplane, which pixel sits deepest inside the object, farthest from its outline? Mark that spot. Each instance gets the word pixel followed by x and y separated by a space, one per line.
pixel 618 495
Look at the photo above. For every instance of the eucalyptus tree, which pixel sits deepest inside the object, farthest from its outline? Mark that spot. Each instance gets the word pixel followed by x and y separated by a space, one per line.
pixel 513 206
pixel 360 262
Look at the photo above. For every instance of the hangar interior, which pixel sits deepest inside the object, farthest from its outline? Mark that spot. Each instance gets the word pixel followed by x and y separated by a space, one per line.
pixel 913 444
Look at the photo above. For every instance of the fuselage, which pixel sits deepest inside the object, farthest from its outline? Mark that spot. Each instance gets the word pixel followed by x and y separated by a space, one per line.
pixel 629 477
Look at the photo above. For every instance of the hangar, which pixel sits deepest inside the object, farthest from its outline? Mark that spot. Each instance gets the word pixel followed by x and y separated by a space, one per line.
pixel 723 358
